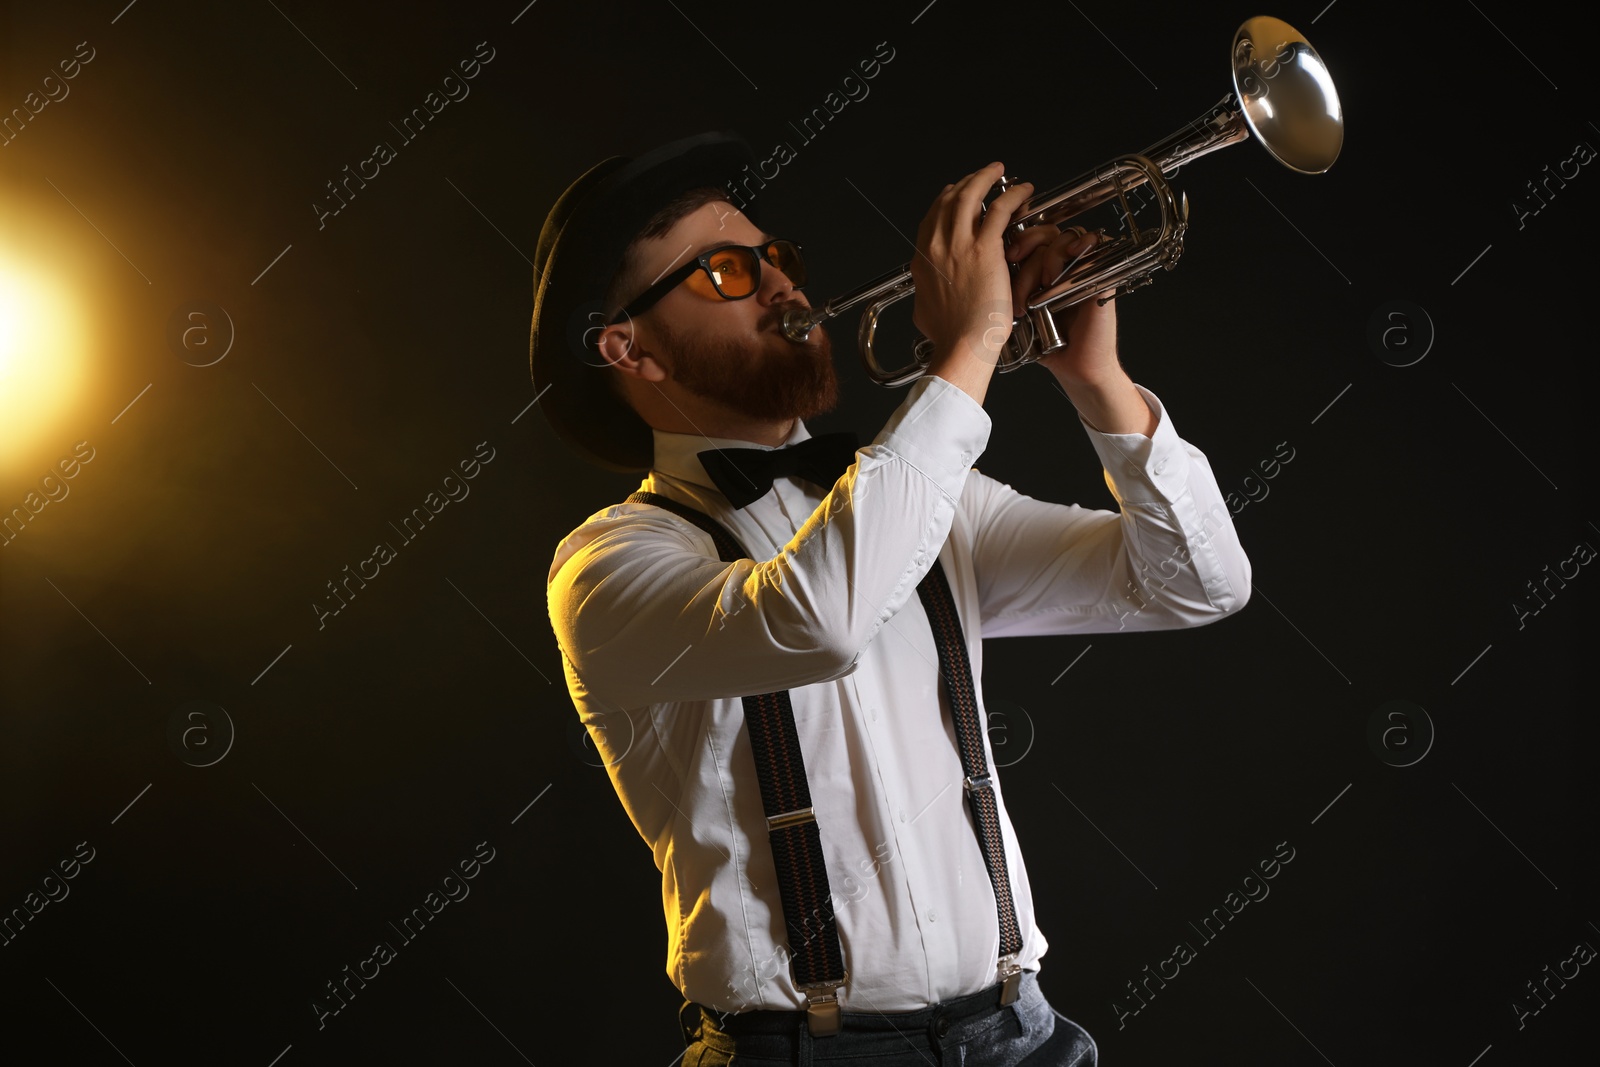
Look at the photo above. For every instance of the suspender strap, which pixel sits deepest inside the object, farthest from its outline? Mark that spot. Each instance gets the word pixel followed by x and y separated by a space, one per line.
pixel 816 959
pixel 956 672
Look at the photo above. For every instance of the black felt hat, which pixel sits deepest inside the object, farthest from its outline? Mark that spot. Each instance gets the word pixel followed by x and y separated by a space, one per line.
pixel 580 248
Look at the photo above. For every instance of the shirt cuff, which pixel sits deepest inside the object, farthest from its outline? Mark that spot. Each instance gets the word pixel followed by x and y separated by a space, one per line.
pixel 1143 470
pixel 940 430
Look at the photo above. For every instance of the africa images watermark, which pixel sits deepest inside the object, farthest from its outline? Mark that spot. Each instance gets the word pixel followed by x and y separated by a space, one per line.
pixel 1567 569
pixel 55 489
pixel 1142 591
pixel 383 153
pixel 1568 169
pixel 12 125
pixel 200 733
pixel 1184 953
pixel 854 89
pixel 1552 983
pixel 54 889
pixel 410 529
pixel 383 953
pixel 1270 468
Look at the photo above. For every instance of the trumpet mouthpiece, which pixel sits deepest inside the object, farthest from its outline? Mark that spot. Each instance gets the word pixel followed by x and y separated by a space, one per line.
pixel 798 323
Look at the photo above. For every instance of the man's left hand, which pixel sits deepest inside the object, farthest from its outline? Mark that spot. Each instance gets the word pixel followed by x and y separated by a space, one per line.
pixel 1089 328
pixel 1087 368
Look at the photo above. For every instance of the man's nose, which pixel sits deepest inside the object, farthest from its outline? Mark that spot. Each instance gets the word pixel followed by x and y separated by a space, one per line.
pixel 776 286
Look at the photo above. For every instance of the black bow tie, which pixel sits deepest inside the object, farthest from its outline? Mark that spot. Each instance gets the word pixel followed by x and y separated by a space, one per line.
pixel 746 474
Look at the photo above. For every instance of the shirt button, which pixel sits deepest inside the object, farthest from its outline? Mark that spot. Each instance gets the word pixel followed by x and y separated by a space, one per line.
pixel 1161 466
pixel 930 916
pixel 965 456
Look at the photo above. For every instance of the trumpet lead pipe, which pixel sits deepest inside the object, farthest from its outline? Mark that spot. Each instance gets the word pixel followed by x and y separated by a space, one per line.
pixel 797 324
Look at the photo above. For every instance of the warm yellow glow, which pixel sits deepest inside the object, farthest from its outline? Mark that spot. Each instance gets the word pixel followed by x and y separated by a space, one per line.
pixel 41 355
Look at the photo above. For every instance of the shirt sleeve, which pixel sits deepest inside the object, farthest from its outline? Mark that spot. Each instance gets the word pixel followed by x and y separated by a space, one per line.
pixel 1168 558
pixel 645 612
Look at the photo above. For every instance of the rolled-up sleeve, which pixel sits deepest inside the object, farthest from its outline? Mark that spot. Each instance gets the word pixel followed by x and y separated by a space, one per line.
pixel 1168 558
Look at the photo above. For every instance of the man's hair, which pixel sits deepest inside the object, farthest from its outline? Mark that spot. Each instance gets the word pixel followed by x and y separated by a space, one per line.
pixel 625 284
pixel 627 277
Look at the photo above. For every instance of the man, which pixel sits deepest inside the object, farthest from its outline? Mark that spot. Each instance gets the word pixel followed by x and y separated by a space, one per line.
pixel 823 584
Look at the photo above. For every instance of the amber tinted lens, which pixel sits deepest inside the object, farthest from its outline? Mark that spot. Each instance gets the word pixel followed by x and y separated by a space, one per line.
pixel 785 255
pixel 733 271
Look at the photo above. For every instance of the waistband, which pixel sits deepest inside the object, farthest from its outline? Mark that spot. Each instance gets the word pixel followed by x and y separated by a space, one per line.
pixel 766 1021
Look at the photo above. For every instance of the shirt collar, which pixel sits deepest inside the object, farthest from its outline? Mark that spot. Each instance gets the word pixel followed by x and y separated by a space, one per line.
pixel 677 454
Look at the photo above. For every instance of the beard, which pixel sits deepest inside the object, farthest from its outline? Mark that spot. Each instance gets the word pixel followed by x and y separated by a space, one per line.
pixel 750 377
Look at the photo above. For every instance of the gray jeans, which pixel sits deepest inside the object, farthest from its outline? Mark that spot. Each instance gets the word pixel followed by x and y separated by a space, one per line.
pixel 973 1031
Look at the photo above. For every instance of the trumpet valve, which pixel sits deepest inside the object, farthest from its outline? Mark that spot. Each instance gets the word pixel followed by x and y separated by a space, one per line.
pixel 1046 338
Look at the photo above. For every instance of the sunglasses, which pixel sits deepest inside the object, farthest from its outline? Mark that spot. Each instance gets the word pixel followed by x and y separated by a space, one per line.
pixel 733 270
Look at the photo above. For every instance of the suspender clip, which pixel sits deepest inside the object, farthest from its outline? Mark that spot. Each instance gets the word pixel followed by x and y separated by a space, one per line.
pixel 822 1008
pixel 1010 979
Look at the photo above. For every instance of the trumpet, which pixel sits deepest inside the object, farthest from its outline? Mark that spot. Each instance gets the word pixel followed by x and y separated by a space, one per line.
pixel 1282 94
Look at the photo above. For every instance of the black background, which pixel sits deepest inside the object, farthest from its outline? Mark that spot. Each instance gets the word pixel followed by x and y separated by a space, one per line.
pixel 430 713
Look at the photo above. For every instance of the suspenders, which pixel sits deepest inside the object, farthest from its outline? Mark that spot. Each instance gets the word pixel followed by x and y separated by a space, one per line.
pixel 816 959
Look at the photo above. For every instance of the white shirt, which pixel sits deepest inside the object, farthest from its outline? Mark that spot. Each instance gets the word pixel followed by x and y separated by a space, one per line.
pixel 660 640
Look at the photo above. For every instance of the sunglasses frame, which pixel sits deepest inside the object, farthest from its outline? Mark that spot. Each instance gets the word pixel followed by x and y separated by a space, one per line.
pixel 647 299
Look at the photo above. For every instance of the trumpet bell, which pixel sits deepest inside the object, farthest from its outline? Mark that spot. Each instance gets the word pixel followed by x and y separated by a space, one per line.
pixel 1286 95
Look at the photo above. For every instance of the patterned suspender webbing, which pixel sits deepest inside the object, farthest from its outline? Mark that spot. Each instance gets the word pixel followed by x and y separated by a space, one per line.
pixel 956 672
pixel 816 958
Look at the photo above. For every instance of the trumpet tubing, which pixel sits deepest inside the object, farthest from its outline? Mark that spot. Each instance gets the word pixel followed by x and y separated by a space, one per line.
pixel 1282 95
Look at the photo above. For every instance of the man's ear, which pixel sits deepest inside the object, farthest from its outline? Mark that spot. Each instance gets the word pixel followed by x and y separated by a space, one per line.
pixel 622 346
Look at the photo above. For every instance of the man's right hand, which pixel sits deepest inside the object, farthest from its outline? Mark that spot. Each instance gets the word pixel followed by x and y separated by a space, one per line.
pixel 963 300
